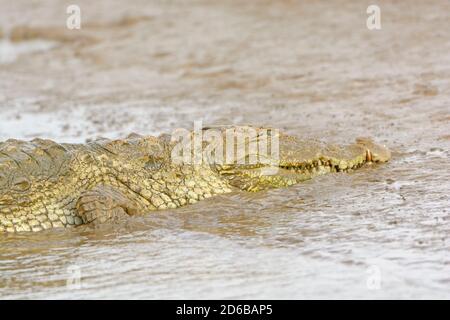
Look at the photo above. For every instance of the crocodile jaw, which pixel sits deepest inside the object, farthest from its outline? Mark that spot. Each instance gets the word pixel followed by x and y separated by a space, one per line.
pixel 296 166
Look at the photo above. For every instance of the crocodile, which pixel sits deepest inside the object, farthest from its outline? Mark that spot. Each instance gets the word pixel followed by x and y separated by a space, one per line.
pixel 44 184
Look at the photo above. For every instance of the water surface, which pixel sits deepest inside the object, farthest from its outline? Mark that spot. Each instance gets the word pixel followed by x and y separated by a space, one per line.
pixel 312 69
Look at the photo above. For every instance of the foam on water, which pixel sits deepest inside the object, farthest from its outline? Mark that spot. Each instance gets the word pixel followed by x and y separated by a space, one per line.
pixel 10 51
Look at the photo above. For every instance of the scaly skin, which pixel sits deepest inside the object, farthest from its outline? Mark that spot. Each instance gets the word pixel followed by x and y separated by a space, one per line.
pixel 45 185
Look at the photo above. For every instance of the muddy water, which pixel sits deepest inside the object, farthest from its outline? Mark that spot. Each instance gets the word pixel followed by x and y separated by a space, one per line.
pixel 310 68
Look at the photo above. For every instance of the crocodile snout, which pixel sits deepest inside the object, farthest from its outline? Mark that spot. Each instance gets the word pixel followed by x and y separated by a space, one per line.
pixel 374 152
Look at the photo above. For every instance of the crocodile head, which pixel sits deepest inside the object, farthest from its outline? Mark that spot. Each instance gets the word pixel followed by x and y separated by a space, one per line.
pixel 291 160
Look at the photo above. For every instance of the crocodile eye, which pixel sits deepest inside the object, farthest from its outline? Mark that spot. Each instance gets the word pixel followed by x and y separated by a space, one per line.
pixel 21 184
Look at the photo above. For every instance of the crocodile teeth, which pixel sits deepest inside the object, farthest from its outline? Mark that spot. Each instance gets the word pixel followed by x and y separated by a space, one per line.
pixel 368 155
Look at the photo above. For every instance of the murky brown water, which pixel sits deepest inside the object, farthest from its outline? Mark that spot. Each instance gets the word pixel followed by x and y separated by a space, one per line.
pixel 310 68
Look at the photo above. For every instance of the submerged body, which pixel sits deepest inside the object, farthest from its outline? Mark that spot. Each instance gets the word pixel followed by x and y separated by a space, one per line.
pixel 45 185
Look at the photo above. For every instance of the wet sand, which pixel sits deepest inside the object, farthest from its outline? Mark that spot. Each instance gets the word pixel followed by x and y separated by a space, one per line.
pixel 310 68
